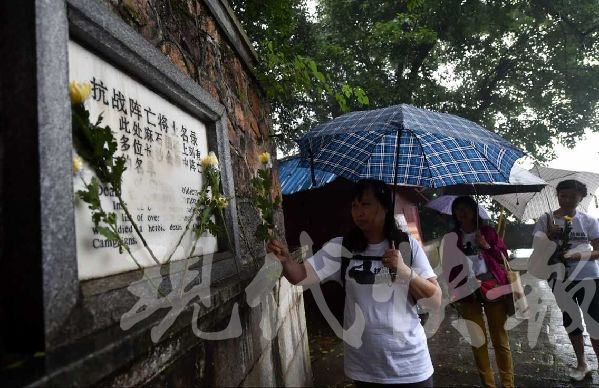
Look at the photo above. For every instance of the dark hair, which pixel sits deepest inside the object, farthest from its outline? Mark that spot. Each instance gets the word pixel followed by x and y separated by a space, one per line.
pixel 580 187
pixel 355 240
pixel 468 202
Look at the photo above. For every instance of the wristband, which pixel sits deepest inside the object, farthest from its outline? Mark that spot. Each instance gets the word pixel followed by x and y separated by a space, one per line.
pixel 410 278
pixel 412 275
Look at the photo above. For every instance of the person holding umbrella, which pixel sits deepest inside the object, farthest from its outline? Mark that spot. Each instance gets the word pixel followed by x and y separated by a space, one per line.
pixel 372 262
pixel 472 265
pixel 577 236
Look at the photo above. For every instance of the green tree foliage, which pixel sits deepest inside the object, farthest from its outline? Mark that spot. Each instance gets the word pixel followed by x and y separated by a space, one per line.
pixel 527 69
pixel 300 93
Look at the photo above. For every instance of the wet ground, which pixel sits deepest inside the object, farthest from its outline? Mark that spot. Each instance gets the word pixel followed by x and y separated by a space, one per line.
pixel 541 364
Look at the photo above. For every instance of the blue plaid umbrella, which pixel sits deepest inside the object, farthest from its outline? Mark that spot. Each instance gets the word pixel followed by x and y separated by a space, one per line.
pixel 405 145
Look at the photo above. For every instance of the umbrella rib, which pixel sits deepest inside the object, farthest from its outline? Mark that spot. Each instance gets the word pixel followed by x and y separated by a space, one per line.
pixel 492 162
pixel 423 154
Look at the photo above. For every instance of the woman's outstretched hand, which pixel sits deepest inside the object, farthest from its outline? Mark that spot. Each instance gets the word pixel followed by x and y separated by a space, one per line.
pixel 279 249
pixel 295 272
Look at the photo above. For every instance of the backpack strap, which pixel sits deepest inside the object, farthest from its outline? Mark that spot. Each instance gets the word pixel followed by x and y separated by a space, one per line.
pixel 344 263
pixel 550 222
pixel 345 260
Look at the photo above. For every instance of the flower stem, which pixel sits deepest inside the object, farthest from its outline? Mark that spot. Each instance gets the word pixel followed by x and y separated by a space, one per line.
pixel 136 228
pixel 191 218
pixel 148 278
pixel 231 246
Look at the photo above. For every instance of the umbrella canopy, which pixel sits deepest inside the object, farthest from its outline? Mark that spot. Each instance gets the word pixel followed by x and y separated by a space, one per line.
pixel 405 145
pixel 295 178
pixel 532 205
pixel 521 181
pixel 443 205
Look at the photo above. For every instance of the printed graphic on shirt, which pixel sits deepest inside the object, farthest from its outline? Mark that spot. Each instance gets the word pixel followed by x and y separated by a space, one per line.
pixel 575 236
pixel 365 274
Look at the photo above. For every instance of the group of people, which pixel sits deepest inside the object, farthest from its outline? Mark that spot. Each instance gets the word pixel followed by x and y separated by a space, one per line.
pixel 386 276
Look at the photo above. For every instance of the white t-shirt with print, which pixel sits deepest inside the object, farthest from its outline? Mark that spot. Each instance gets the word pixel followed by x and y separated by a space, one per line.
pixel 394 348
pixel 584 229
pixel 477 263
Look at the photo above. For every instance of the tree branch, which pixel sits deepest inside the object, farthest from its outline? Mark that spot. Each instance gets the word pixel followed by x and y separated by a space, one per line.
pixel 423 52
pixel 503 68
pixel 549 8
pixel 485 94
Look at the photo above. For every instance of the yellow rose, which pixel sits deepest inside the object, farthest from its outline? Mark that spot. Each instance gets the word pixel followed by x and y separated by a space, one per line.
pixel 79 91
pixel 222 202
pixel 77 164
pixel 210 160
pixel 264 158
pixel 568 218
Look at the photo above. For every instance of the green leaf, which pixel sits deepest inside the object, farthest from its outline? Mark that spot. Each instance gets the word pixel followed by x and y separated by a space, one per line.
pixel 97 217
pixel 342 102
pixel 346 90
pixel 361 96
pixel 320 77
pixel 117 173
pixel 110 219
pixel 413 4
pixel 99 120
pixel 91 194
pixel 312 66
pixel 262 232
pixel 107 232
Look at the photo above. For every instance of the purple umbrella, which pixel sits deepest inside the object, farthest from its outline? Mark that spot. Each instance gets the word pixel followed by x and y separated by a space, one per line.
pixel 443 204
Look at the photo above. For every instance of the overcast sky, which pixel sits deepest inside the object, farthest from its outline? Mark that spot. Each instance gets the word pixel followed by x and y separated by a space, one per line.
pixel 583 157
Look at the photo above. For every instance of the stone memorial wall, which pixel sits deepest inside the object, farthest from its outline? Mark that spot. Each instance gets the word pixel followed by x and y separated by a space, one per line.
pixel 173 80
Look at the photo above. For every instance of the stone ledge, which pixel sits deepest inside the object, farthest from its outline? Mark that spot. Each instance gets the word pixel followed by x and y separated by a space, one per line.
pixel 91 359
pixel 123 280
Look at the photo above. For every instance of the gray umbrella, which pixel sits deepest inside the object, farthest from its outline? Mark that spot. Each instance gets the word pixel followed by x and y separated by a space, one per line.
pixel 526 206
pixel 521 181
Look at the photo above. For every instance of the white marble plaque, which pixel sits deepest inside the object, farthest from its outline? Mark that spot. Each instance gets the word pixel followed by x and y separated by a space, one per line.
pixel 163 146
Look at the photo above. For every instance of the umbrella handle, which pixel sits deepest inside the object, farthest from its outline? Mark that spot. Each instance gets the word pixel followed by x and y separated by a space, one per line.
pixel 477 205
pixel 397 144
pixel 312 167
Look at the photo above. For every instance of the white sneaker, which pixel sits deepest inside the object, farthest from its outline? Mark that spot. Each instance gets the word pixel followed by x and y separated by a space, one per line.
pixel 579 375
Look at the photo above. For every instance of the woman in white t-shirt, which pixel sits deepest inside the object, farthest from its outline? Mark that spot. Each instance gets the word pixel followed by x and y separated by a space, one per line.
pixel 381 289
pixel 580 285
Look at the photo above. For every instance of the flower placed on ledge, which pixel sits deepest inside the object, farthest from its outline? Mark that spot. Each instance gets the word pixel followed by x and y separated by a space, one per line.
pixel 263 198
pixel 77 164
pixel 210 160
pixel 95 145
pixel 211 202
pixel 79 92
pixel 222 202
pixel 265 159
